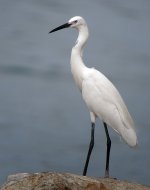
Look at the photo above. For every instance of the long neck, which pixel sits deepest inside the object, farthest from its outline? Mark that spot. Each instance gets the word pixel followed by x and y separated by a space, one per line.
pixel 77 64
pixel 82 38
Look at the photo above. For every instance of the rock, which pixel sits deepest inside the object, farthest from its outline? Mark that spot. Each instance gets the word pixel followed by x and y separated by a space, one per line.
pixel 66 181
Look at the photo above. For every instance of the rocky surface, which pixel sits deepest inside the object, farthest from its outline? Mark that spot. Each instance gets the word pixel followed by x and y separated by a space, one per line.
pixel 66 181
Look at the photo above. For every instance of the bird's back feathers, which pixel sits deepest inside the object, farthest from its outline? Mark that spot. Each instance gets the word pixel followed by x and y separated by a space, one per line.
pixel 104 100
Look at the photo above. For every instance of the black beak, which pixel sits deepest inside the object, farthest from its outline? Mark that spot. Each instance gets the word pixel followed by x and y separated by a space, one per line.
pixel 66 25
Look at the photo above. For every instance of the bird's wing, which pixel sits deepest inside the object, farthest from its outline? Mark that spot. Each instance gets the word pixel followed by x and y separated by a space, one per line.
pixel 103 92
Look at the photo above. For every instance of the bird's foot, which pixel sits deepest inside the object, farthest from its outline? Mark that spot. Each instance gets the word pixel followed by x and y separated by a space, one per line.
pixel 107 175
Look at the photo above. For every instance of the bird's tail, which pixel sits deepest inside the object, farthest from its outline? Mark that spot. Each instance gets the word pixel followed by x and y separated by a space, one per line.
pixel 129 136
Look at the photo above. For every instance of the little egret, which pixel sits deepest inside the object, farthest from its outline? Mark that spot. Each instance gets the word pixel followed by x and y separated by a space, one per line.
pixel 100 95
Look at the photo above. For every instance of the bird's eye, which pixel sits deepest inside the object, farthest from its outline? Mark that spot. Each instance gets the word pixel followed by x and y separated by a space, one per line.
pixel 74 22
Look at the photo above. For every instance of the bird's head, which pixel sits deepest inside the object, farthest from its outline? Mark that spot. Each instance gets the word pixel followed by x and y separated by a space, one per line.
pixel 75 22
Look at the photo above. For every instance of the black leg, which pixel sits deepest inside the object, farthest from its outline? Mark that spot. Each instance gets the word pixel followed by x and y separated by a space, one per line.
pixel 91 145
pixel 108 150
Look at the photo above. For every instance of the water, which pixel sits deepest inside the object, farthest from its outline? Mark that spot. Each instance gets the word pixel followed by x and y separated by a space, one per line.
pixel 44 124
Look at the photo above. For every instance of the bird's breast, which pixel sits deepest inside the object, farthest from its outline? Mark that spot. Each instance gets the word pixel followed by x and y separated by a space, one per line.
pixel 78 69
pixel 77 78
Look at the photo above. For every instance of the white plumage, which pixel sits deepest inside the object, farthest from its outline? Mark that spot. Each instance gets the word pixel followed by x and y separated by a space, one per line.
pixel 100 95
pixel 104 101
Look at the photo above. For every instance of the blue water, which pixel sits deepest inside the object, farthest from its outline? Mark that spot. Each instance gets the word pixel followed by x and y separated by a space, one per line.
pixel 44 124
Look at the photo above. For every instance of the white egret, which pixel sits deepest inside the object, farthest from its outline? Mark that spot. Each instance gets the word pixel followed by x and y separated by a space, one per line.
pixel 100 95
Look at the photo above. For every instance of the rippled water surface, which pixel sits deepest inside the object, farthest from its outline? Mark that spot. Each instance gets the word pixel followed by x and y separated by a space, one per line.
pixel 44 124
